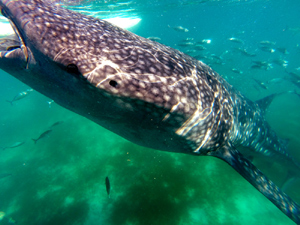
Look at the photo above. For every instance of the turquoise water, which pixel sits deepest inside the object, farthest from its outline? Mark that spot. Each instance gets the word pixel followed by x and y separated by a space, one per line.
pixel 61 178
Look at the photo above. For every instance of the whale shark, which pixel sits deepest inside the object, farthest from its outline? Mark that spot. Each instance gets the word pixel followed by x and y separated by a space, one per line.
pixel 146 92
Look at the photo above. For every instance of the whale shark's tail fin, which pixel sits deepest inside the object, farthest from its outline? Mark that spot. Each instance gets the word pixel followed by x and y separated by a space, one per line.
pixel 259 181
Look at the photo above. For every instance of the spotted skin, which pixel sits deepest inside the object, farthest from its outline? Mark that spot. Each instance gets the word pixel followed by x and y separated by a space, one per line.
pixel 146 92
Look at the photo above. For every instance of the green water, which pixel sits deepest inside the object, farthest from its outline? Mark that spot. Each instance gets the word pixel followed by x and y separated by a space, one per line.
pixel 61 178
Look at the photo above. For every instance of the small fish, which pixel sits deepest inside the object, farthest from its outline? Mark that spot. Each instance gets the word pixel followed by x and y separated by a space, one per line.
pixel 261 65
pixel 44 134
pixel 56 123
pixel 15 145
pixel 245 52
pixel 283 51
pixel 237 71
pixel 154 38
pixel 293 78
pixel 190 51
pixel 267 43
pixel 180 29
pixel 50 103
pixel 295 30
pixel 281 62
pixel 236 40
pixel 295 83
pixel 3 175
pixel 206 41
pixel 185 44
pixel 107 184
pixel 216 57
pixel 256 67
pixel 200 57
pixel 20 96
pixel 275 81
pixel 267 49
pixel 199 47
pixel 293 74
pixel 295 92
pixel 261 84
pixel 187 39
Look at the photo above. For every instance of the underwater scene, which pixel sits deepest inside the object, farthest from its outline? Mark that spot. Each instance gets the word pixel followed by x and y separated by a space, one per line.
pixel 57 167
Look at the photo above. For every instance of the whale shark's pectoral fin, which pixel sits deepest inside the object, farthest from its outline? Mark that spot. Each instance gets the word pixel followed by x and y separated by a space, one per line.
pixel 259 181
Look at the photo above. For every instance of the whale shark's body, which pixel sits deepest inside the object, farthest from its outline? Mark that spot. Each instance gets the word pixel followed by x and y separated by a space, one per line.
pixel 148 93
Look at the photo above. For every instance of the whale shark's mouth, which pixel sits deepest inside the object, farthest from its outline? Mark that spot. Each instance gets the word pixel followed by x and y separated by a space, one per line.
pixel 10 39
pixel 9 43
pixel 12 44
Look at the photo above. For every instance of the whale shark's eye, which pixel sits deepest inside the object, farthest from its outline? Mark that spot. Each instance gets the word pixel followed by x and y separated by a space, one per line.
pixel 72 68
pixel 113 83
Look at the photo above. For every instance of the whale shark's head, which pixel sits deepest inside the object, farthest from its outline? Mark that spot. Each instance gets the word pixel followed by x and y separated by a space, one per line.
pixel 128 84
pixel 48 36
pixel 47 33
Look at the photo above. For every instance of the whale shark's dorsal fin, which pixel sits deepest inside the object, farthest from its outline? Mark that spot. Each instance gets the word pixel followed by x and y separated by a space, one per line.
pixel 265 102
pixel 254 176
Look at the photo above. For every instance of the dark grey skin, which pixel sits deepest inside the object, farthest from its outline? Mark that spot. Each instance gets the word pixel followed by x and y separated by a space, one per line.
pixel 148 93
